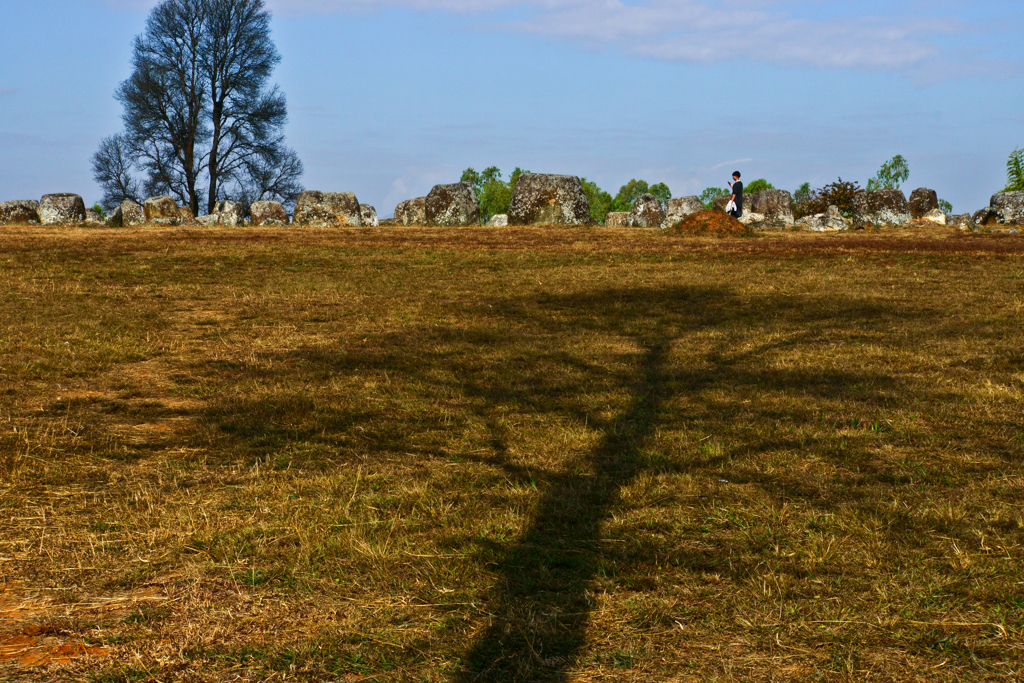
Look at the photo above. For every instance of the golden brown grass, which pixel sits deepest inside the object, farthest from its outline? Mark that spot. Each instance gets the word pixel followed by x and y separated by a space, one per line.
pixel 510 454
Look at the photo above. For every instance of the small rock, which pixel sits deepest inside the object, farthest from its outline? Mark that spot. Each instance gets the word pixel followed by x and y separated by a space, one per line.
pixel 412 211
pixel 93 217
pixel 834 218
pixel 748 217
pixel 679 208
pixel 268 213
pixel 209 220
pixel 452 205
pixel 922 202
pixel 61 209
pixel 618 219
pixel 548 199
pixel 161 211
pixel 647 212
pixel 19 211
pixel 369 215
pixel 498 221
pixel 936 216
pixel 323 209
pixel 831 220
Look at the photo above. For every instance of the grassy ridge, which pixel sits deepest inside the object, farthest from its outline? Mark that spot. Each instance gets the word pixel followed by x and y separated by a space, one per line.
pixel 465 455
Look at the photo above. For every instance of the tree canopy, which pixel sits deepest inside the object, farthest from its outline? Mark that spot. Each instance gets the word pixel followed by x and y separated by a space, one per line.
pixel 758 185
pixel 492 193
pixel 600 201
pixel 891 175
pixel 634 189
pixel 201 121
pixel 708 196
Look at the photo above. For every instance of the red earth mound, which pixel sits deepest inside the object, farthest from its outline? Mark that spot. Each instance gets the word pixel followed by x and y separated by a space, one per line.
pixel 710 224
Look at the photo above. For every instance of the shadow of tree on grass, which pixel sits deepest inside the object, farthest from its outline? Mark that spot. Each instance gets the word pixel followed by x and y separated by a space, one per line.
pixel 526 352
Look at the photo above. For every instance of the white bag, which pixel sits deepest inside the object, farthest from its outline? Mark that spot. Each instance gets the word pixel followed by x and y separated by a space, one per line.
pixel 730 207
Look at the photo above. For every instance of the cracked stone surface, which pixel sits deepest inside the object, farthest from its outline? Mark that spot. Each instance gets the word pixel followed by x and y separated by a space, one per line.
pixel 547 199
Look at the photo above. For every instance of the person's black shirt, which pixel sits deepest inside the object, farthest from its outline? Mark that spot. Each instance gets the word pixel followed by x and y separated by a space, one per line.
pixel 737 189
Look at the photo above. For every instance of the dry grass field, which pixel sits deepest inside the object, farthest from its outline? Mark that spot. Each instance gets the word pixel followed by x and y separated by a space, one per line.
pixel 510 454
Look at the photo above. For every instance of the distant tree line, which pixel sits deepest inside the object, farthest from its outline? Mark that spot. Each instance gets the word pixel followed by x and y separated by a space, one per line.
pixel 841 194
pixel 495 194
pixel 710 194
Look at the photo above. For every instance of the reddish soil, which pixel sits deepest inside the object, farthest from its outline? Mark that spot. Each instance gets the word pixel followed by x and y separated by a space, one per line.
pixel 710 224
pixel 35 644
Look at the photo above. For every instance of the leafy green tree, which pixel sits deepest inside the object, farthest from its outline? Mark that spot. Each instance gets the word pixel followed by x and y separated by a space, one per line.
pixel 473 178
pixel 892 174
pixel 628 194
pixel 661 191
pixel 98 208
pixel 600 201
pixel 1015 172
pixel 946 207
pixel 495 196
pixel 757 186
pixel 490 173
pixel 492 193
pixel 709 194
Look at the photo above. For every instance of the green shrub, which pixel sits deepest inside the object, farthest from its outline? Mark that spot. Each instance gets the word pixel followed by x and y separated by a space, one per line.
pixel 839 194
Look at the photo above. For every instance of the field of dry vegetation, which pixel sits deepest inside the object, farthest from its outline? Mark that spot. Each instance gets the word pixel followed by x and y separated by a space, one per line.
pixel 521 454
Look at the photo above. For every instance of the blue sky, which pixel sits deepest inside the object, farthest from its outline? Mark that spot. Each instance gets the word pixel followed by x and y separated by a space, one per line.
pixel 387 98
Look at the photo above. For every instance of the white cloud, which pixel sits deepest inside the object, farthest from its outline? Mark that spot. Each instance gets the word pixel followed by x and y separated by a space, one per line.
pixel 705 32
pixel 733 162
pixel 415 182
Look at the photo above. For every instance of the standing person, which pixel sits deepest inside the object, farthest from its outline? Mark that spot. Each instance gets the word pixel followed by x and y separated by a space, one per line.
pixel 737 194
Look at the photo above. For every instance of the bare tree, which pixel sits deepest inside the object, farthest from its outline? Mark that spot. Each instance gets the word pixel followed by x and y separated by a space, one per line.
pixel 112 167
pixel 201 121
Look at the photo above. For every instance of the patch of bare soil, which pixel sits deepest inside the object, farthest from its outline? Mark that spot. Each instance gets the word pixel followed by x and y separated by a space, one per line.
pixel 710 224
pixel 27 639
